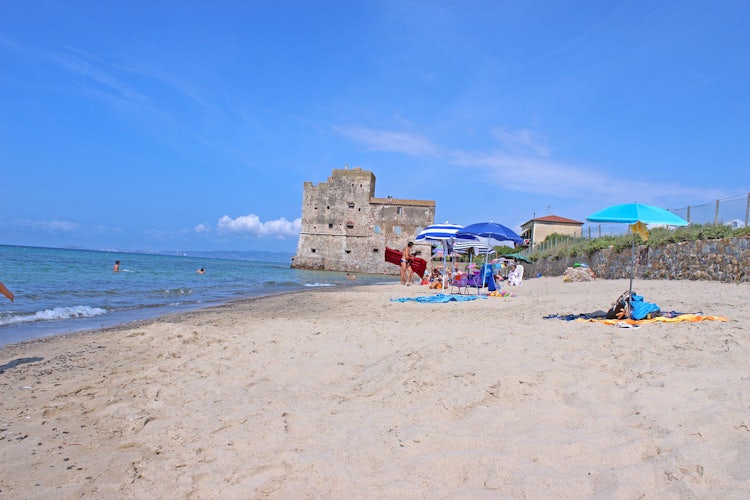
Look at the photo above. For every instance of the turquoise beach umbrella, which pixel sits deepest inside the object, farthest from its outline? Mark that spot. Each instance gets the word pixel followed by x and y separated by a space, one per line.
pixel 632 213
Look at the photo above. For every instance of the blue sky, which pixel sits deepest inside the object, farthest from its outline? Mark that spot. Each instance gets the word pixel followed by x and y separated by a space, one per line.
pixel 192 125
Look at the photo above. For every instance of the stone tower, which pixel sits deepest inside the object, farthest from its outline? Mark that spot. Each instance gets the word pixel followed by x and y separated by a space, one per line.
pixel 345 228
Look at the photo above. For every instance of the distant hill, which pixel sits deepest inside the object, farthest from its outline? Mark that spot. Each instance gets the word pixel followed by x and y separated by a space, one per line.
pixel 258 255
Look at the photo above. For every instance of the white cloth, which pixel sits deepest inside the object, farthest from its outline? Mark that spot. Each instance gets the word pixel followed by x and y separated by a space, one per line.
pixel 515 277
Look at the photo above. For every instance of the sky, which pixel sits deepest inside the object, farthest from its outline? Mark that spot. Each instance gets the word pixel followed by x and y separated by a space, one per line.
pixel 193 125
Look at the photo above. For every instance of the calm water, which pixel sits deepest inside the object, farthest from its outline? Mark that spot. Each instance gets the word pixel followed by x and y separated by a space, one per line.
pixel 62 291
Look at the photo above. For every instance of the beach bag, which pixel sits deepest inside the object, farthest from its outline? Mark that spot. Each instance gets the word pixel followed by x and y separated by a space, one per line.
pixel 619 309
pixel 640 309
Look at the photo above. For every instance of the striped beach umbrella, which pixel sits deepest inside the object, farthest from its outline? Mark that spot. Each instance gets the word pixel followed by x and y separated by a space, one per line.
pixel 480 246
pixel 439 232
pixel 444 234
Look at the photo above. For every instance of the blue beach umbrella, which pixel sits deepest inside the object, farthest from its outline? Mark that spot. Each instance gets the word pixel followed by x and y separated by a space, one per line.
pixel 491 230
pixel 630 213
pixel 633 214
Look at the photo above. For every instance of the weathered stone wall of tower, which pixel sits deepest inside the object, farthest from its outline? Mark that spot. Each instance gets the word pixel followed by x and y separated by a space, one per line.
pixel 345 228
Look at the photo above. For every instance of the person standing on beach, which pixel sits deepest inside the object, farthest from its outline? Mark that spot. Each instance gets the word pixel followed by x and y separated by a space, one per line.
pixel 406 264
pixel 4 290
pixel 117 266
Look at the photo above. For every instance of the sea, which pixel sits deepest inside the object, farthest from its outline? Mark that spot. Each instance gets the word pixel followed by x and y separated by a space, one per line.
pixel 62 291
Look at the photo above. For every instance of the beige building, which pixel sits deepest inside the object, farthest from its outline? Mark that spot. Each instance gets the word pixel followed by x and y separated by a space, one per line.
pixel 536 230
pixel 346 228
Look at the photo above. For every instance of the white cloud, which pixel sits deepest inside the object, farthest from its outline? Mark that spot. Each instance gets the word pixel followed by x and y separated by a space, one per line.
pixel 202 228
pixel 523 164
pixel 521 140
pixel 252 225
pixel 383 140
pixel 51 225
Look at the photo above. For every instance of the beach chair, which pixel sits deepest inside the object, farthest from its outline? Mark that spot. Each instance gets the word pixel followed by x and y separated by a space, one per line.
pixel 460 282
pixel 515 278
pixel 484 278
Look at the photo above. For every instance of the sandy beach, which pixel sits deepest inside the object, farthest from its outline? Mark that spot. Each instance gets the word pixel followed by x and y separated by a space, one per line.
pixel 343 393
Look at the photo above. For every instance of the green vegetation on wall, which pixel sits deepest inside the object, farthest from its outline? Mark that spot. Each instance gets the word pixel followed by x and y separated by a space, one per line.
pixel 565 246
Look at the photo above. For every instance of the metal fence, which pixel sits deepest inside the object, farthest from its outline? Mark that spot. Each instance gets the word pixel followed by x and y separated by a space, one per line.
pixel 734 212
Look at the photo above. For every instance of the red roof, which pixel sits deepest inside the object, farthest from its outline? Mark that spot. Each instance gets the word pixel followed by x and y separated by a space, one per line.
pixel 558 219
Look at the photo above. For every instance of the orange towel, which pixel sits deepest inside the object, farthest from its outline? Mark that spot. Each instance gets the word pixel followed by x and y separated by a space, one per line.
pixel 660 319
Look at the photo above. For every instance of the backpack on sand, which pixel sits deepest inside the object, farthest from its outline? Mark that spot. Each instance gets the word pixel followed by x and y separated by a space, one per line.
pixel 620 307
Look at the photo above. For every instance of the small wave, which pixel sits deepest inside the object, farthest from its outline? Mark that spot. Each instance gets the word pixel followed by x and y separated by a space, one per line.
pixel 320 284
pixel 177 291
pixel 54 314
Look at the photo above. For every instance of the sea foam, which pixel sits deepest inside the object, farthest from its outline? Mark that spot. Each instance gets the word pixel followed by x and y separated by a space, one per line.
pixel 54 314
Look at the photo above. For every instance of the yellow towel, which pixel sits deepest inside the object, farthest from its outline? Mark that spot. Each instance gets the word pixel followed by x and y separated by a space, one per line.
pixel 640 228
pixel 660 319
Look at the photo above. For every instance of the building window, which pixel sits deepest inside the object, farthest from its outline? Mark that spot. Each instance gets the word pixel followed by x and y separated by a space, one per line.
pixel 350 225
pixel 376 229
pixel 375 250
pixel 396 229
pixel 399 210
pixel 348 251
pixel 350 205
pixel 312 250
pixel 330 225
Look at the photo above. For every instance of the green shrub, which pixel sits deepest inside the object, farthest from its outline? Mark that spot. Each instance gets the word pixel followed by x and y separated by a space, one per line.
pixel 565 246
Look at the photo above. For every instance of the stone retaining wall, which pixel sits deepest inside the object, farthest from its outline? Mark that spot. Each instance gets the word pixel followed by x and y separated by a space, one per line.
pixel 726 260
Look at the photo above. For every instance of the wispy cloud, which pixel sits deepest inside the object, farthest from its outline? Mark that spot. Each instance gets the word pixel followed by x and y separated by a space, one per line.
pixel 96 71
pixel 49 226
pixel 384 140
pixel 252 225
pixel 521 161
pixel 521 141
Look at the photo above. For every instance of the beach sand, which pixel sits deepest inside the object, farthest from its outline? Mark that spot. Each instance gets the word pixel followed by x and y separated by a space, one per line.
pixel 341 393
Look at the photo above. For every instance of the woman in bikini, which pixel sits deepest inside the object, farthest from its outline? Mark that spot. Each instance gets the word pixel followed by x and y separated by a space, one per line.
pixel 406 264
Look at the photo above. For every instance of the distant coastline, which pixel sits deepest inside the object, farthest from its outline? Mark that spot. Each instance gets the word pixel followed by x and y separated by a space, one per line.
pixel 256 255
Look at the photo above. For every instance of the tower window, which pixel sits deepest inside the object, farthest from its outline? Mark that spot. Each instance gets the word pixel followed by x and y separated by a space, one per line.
pixel 351 205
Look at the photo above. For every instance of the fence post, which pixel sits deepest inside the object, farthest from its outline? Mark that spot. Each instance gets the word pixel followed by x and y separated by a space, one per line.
pixel 747 210
pixel 716 214
pixel 688 214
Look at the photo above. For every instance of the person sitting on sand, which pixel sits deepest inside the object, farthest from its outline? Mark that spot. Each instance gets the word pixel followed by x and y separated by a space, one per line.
pixel 436 280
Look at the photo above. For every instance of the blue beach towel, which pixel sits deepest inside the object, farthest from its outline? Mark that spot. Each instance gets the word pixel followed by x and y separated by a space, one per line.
pixel 439 298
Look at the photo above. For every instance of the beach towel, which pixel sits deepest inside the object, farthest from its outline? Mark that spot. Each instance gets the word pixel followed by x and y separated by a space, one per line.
pixel 668 317
pixel 439 298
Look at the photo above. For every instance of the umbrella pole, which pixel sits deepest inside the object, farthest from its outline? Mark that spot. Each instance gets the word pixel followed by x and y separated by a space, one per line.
pixel 632 273
pixel 445 263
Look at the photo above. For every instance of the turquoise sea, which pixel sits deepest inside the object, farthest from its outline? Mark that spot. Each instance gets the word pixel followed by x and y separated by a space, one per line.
pixel 61 291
